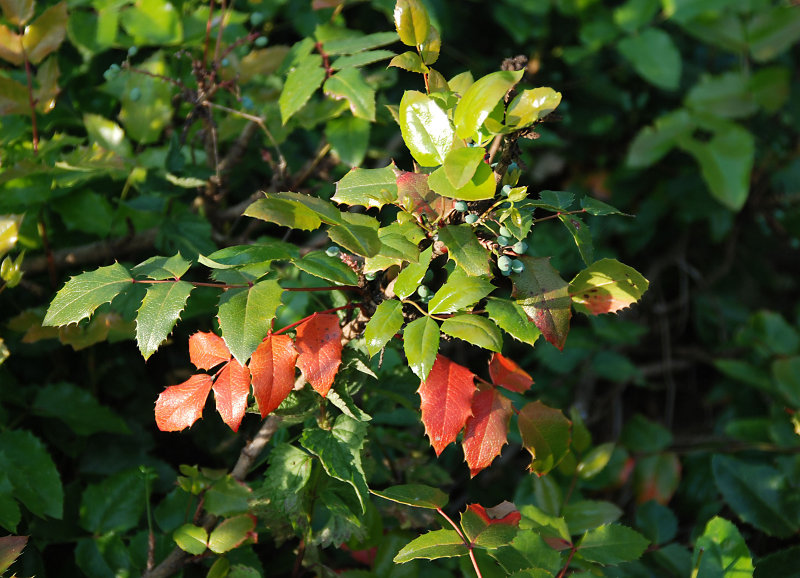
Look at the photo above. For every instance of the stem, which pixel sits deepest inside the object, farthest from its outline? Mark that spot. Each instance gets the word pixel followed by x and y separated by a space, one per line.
pixel 304 319
pixel 421 310
pixel 566 566
pixel 557 215
pixel 475 563
pixel 195 283
pixel 328 288
pixel 467 543
pixel 208 32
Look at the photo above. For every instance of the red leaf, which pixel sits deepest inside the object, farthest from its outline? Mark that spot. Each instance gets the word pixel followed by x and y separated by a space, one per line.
pixel 487 429
pixel 179 406
pixel 417 197
pixel 207 350
pixel 544 296
pixel 272 367
pixel 446 399
pixel 231 389
pixel 319 344
pixel 507 373
pixel 502 513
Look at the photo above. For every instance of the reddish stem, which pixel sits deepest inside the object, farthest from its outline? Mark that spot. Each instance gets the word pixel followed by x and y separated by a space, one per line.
pixel 566 566
pixel 326 61
pixel 467 543
pixel 304 319
pixel 195 283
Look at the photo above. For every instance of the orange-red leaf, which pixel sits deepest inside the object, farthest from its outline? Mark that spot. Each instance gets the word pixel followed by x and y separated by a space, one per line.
pixel 487 429
pixel 230 392
pixel 507 373
pixel 272 368
pixel 502 513
pixel 446 400
pixel 179 406
pixel 319 345
pixel 207 350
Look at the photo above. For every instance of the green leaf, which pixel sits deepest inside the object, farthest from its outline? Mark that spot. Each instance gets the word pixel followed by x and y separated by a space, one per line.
pixel 266 251
pixel 358 233
pixel 482 184
pixel 421 344
pixel 354 44
pixel 411 21
pixel 191 539
pixel 410 278
pixel 433 545
pixel 721 551
pixel 350 85
pixel 781 563
pixel 78 409
pixel 382 326
pixel 401 241
pixel 349 138
pixel 284 212
pixel 160 268
pixel 45 34
pixel 459 292
pixel 599 208
pixel 161 308
pixel 32 473
pixel 658 523
pixel 530 106
pixel 416 495
pixel 559 200
pixel 544 297
pixel 464 248
pixel 231 533
pixel 772 31
pixel 607 286
pixel 653 142
pixel 727 95
pixel 758 494
pixel 152 22
pixel 425 128
pixel 304 78
pixel 84 293
pixel 595 461
pixel 545 434
pixel 512 319
pixel 583 237
pixel 114 505
pixel 612 544
pixel 726 162
pixel 460 165
pixel 321 265
pixel 227 497
pixel 245 316
pixel 410 61
pixel 339 451
pixel 528 556
pixel 474 329
pixel 148 113
pixel 361 59
pixel 107 134
pixel 646 436
pixel 589 514
pixel 480 99
pixel 654 56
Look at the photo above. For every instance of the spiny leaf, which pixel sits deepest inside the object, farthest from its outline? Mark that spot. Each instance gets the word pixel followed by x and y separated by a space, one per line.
pixel 486 429
pixel 207 350
pixel 303 80
pixel 367 187
pixel 179 406
pixel 512 319
pixel 84 293
pixel 545 434
pixel 460 292
pixel 544 297
pixel 421 343
pixel 412 22
pixel 387 320
pixel 272 367
pixel 435 544
pixel 416 495
pixel 160 268
pixel 160 310
pixel 612 544
pixel 416 197
pixel 245 316
pixel 607 286
pixel 474 329
pixel 319 344
pixel 508 374
pixel 490 528
pixel 231 389
pixel 446 399
pixel 464 248
pixel 410 278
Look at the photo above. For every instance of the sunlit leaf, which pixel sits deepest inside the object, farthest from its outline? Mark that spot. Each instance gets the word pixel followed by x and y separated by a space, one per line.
pixel 544 297
pixel 464 248
pixel 319 345
pixel 416 495
pixel 231 533
pixel 486 429
pixel 231 389
pixel 508 374
pixel 722 551
pixel 435 544
pixel 412 22
pixel 382 326
pixel 350 85
pixel 480 99
pixel 84 293
pixel 425 128
pixel 512 319
pixel 367 187
pixel 474 329
pixel 245 315
pixel 481 186
pixel 207 350
pixel 190 538
pixel 412 275
pixel 272 367
pixel 410 61
pixel 179 406
pixel 532 105
pixel 490 528
pixel 416 197
pixel 607 286
pixel 45 34
pixel 304 78
pixel 160 310
pixel 421 345
pixel 460 292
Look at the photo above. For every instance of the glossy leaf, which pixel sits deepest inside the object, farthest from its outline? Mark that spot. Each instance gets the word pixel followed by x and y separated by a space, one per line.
pixel 367 187
pixel 382 326
pixel 84 293
pixel 612 544
pixel 460 165
pixel 356 44
pixel 421 344
pixel 240 255
pixel 481 186
pixel 272 368
pixel 358 233
pixel 480 99
pixel 545 434
pixel 410 61
pixel 486 430
pixel 412 275
pixel 532 105
pixel 179 406
pixel 319 347
pixel 231 533
pixel 285 213
pixel 349 84
pixel 231 389
pixel 512 319
pixel 459 292
pixel 429 50
pixel 721 551
pixel 245 316
pixel 486 528
pixel 416 495
pixel 464 248
pixel 544 297
pixel 411 21
pixel 160 310
pixel 160 268
pixel 190 538
pixel 207 350
pixel 582 236
pixel 607 286
pixel 425 128
pixel 303 80
pixel 446 401
pixel 474 329
pixel 657 477
pixel 321 265
pixel 416 197
pixel 28 467
pixel 654 56
pixel 45 34
pixel 435 544
pixel 595 461
pixel 508 374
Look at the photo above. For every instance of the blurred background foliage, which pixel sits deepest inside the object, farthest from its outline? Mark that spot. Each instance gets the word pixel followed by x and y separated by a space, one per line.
pixel 683 113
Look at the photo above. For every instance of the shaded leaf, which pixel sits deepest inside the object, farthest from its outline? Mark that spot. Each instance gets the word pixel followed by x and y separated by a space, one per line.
pixel 612 544
pixel 607 286
pixel 319 345
pixel 207 350
pixel 84 293
pixel 179 406
pixel 654 56
pixel 382 326
pixel 272 367
pixel 653 142
pixel 18 13
pixel 31 471
pixel 78 409
pixel 114 505
pixel 589 514
pixel 544 297
pixel 161 308
pixel 546 434
pixel 10 548
pixel 583 237
pixel 357 233
pixel 657 477
pixel 490 528
pixel 435 544
pixel 416 495
pixel 486 430
pixel 474 329
pixel 245 316
pixel 265 251
pixel 231 533
pixel 231 389
pixel 348 84
pixel 304 78
pixel 446 401
pixel 507 373
pixel 721 551
pixel 421 345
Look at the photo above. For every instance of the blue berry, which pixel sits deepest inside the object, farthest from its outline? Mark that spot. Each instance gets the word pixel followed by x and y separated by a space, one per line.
pixel 248 103
pixel 505 272
pixel 256 18
pixel 133 50
pixel 460 206
pixel 423 291
pixel 472 218
pixel 135 94
pixel 261 41
pixel 503 240
pixel 520 247
pixel 504 263
pixel 504 232
pixel 517 266
pixel 225 62
pixel 332 251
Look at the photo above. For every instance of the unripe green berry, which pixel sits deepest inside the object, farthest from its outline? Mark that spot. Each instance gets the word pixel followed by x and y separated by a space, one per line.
pixel 332 251
pixel 256 18
pixel 503 240
pixel 369 276
pixel 135 94
pixel 505 272
pixel 504 232
pixel 472 218
pixel 423 291
pixel 261 41
pixel 504 263
pixel 506 190
pixel 460 206
pixel 520 247
pixel 517 266
pixel 133 50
